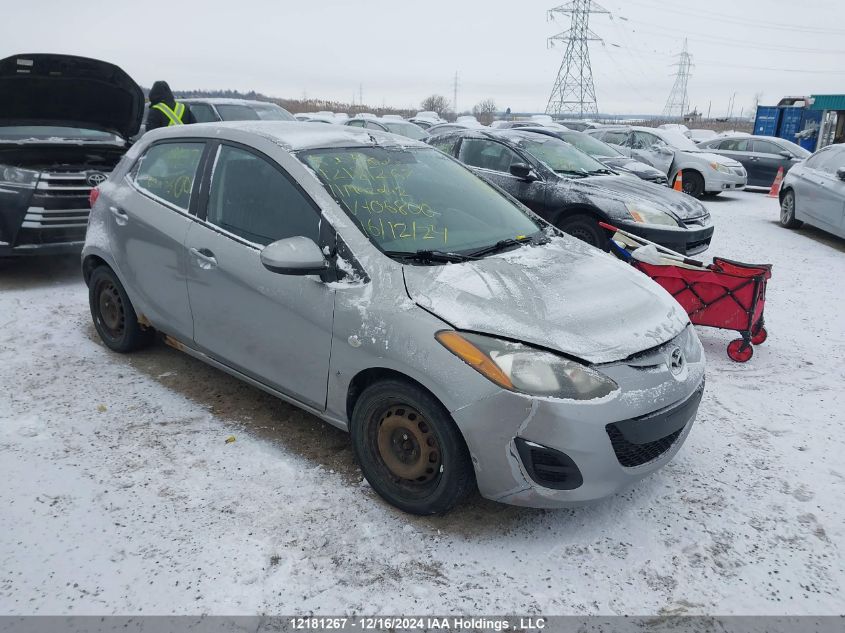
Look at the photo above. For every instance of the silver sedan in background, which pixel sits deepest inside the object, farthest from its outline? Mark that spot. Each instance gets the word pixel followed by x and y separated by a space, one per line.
pixel 378 284
pixel 814 192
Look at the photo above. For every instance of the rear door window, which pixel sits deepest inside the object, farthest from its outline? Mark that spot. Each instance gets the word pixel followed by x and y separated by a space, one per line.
pixel 488 155
pixel 167 171
pixel 616 138
pixel 253 199
pixel 202 112
pixel 734 145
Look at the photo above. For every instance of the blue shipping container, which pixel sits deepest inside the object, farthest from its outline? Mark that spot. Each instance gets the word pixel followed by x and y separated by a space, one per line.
pixel 791 123
pixel 767 121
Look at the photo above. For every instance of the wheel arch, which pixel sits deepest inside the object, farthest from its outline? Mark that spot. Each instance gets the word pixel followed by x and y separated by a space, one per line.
pixel 577 209
pixel 372 375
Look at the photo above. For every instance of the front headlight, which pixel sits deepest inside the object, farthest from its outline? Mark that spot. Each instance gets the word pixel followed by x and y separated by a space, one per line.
pixel 521 368
pixel 724 169
pixel 646 214
pixel 10 175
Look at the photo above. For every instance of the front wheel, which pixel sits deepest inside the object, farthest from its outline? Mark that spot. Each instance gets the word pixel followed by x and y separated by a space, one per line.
pixel 409 449
pixel 586 228
pixel 113 314
pixel 693 184
pixel 787 211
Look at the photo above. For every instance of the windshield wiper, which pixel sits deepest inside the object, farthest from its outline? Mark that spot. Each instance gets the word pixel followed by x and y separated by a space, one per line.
pixel 572 172
pixel 426 256
pixel 601 171
pixel 503 244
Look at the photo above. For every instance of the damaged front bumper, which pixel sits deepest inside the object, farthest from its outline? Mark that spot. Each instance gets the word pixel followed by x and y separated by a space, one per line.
pixel 544 452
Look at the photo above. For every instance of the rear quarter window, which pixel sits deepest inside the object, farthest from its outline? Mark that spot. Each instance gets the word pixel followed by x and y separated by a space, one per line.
pixel 167 171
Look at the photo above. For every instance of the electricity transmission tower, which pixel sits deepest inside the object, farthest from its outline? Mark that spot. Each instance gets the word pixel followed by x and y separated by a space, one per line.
pixel 676 104
pixel 573 91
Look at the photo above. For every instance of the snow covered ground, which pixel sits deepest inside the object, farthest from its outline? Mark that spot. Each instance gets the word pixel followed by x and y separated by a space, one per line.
pixel 120 494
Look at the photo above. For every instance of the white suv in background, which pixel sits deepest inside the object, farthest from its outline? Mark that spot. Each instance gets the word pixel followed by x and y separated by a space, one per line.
pixel 672 152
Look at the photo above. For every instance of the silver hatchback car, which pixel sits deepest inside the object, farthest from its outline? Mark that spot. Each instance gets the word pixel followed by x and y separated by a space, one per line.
pixel 377 283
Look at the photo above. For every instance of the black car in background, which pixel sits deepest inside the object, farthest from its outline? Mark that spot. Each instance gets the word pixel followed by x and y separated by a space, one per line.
pixel 64 125
pixel 762 156
pixel 574 192
pixel 606 154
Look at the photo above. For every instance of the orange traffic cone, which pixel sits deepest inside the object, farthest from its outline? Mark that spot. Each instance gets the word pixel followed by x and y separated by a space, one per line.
pixel 679 181
pixel 774 192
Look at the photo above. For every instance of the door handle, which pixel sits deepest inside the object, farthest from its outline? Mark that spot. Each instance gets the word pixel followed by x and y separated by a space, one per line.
pixel 120 216
pixel 206 258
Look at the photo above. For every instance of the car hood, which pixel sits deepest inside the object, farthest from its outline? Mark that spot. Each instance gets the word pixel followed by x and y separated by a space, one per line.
pixel 630 164
pixel 564 295
pixel 627 190
pixel 47 89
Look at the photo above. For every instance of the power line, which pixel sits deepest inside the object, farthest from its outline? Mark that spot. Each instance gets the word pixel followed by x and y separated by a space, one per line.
pixel 722 19
pixel 745 45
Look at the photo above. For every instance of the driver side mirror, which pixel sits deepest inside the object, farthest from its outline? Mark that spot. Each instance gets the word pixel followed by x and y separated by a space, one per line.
pixel 294 256
pixel 840 173
pixel 523 172
pixel 786 154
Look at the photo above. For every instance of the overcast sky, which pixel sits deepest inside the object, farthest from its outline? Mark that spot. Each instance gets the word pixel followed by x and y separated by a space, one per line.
pixel 400 52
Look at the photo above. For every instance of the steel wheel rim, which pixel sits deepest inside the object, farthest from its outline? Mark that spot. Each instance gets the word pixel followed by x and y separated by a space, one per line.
pixel 408 447
pixel 583 234
pixel 110 309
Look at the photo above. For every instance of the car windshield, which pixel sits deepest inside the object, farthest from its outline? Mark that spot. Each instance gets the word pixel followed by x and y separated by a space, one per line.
pixel 559 156
pixel 241 112
pixel 405 129
pixel 678 141
pixel 409 200
pixel 52 132
pixel 590 145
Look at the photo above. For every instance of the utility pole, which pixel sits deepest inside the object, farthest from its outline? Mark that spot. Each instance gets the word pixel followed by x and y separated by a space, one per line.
pixel 676 104
pixel 455 94
pixel 573 90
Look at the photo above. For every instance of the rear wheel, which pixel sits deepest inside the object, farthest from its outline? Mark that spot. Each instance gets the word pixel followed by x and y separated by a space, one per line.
pixel 409 449
pixel 693 184
pixel 586 228
pixel 787 211
pixel 113 314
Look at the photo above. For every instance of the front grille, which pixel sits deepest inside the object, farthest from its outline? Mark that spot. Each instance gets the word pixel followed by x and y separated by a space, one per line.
pixel 58 209
pixel 548 467
pixel 630 454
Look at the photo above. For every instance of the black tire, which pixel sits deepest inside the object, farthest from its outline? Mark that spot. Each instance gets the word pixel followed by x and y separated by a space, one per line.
pixel 787 211
pixel 410 449
pixel 693 184
pixel 586 228
pixel 113 314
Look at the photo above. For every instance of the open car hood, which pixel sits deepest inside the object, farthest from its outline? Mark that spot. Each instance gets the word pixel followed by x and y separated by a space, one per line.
pixel 69 91
pixel 564 296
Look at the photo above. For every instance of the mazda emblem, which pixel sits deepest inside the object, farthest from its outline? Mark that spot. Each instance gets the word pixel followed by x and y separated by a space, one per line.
pixel 96 179
pixel 676 361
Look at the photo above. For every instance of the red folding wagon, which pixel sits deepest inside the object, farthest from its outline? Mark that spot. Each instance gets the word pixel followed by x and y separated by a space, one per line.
pixel 725 294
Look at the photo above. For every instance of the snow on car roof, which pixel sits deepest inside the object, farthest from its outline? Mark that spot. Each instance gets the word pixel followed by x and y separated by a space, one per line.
pixel 225 101
pixel 295 135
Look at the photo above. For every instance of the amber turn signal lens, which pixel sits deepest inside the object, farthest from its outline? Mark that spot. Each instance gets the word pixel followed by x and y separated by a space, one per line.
pixel 473 357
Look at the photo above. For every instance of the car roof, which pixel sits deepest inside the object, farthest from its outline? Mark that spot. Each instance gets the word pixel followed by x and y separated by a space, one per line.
pixel 508 134
pixel 292 135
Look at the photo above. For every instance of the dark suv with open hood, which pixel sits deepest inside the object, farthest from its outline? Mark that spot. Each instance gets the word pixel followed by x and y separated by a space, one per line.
pixel 64 125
